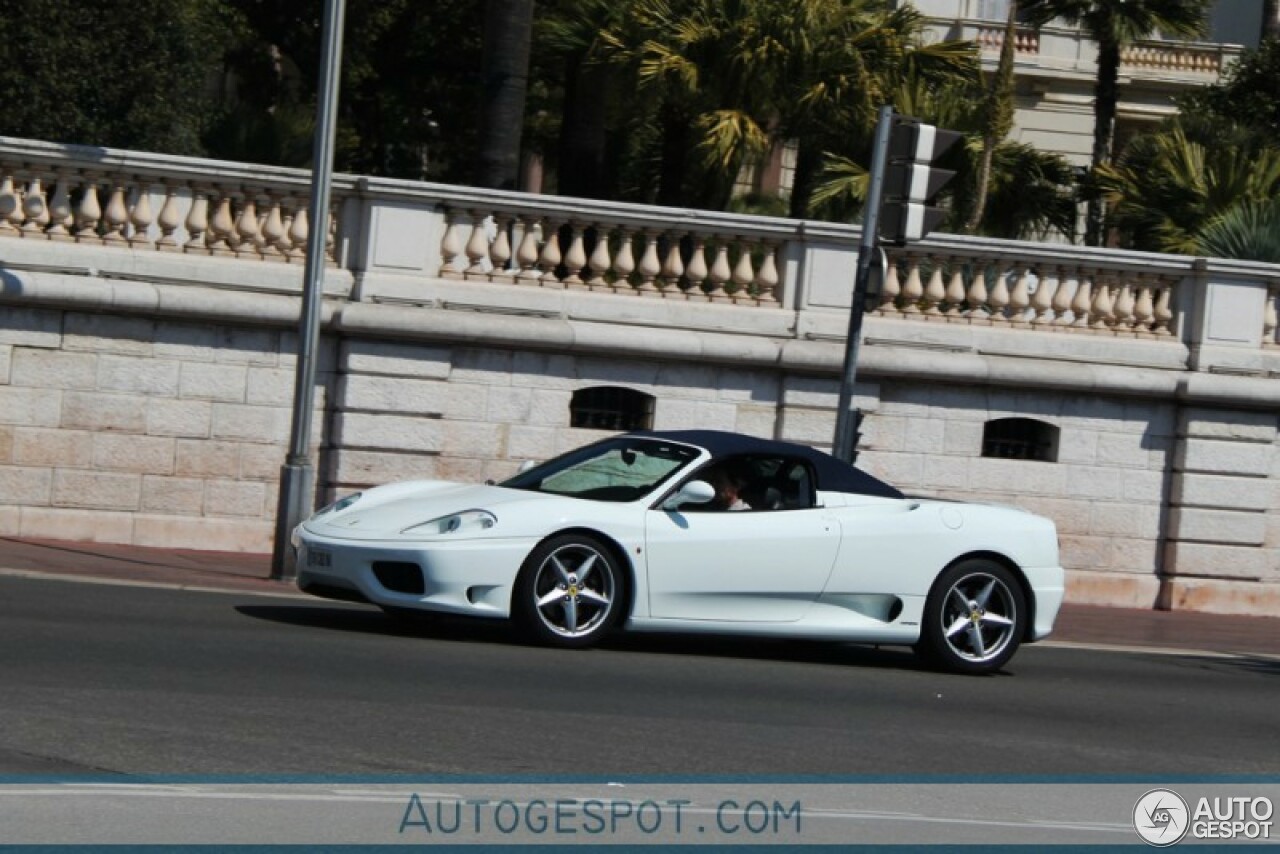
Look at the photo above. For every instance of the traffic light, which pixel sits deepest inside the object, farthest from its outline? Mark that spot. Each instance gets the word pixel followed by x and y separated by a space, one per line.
pixel 911 182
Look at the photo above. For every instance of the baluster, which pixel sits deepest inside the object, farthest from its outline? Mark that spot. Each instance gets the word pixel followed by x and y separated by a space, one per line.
pixel 1163 312
pixel 719 274
pixel 450 246
pixel 913 290
pixel 331 236
pixel 90 213
pixel 890 290
pixel 550 257
pixel 221 227
pixel 477 248
pixel 1082 301
pixel 1062 299
pixel 273 232
pixel 197 222
pixel 576 258
pixel 1020 298
pixel 1123 309
pixel 672 269
pixel 34 210
pixel 168 221
pixel 9 205
pixel 500 250
pixel 650 266
pixel 955 289
pixel 743 275
pixel 978 312
pixel 998 300
pixel 1047 288
pixel 935 292
pixel 1100 311
pixel 1269 316
pixel 527 253
pixel 299 233
pixel 696 272
pixel 599 262
pixel 624 263
pixel 767 276
pixel 60 218
pixel 115 217
pixel 140 218
pixel 1143 308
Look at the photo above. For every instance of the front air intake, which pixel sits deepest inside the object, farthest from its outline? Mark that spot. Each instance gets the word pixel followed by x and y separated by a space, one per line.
pixel 399 577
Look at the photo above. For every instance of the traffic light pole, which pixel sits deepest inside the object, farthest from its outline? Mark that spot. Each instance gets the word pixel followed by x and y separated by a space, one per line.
pixel 846 435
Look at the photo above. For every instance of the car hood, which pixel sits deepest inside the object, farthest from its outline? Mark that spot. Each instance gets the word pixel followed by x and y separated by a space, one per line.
pixel 384 512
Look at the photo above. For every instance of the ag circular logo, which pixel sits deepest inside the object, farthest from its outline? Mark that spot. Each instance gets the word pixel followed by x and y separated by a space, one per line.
pixel 1161 817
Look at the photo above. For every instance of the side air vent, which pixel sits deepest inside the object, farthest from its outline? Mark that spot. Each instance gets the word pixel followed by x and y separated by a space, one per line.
pixel 399 577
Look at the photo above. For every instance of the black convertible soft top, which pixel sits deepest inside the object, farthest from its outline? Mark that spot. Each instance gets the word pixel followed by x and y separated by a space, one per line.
pixel 833 475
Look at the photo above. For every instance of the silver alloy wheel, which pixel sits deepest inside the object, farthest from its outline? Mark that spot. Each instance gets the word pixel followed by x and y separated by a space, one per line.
pixel 979 617
pixel 573 590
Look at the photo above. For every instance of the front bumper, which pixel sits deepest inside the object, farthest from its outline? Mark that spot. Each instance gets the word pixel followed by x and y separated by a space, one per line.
pixel 474 577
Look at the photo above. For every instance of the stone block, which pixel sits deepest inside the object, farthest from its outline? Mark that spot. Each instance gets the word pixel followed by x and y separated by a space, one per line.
pixel 668 415
pixel 271 386
pixel 1095 482
pixel 686 380
pixel 526 442
pixel 1222 492
pixel 756 420
pixel 510 405
pixel 945 472
pixel 234 498
pixel 1071 516
pixel 1091 553
pixel 31 327
pixel 246 423
pixel 1257 599
pixel 1118 590
pixel 1125 450
pixel 551 406
pixel 1230 527
pixel 395 359
pixel 10 520
pixel 143 454
pixel 108 333
pixel 49 369
pixel 227 383
pixel 1213 456
pixel 367 393
pixel 185 418
pixel 82 526
pixel 1146 487
pixel 1213 560
pixel 42 446
pixel 105 490
pixel 185 342
pixel 924 435
pixel 229 535
pixel 1136 555
pixel 1228 424
pixel 248 346
pixel 997 477
pixel 6 362
pixel 25 485
pixel 386 432
pixel 376 467
pixel 808 426
pixel 901 399
pixel 901 470
pixel 483 367
pixel 6 443
pixel 202 458
pixel 544 370
pixel 813 392
pixel 627 372
pixel 749 387
pixel 138 375
pixel 1077 446
pixel 879 432
pixel 87 410
pixel 261 462
pixel 1125 519
pixel 30 406
pixel 472 439
pixel 962 438
pixel 461 469
pixel 176 495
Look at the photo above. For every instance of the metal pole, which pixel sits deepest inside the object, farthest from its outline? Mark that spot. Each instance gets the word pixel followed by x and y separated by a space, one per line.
pixel 842 445
pixel 297 476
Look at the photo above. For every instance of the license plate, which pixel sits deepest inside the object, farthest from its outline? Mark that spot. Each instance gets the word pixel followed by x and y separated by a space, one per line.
pixel 319 558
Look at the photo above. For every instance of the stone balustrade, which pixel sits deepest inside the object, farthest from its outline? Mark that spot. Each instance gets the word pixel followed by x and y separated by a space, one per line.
pixel 990 39
pixel 1192 57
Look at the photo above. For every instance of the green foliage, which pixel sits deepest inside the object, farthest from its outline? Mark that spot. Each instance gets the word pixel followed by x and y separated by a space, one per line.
pixel 137 74
pixel 1249 230
pixel 1248 95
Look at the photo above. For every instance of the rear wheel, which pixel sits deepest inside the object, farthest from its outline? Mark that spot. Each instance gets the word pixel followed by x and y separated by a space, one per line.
pixel 974 619
pixel 570 591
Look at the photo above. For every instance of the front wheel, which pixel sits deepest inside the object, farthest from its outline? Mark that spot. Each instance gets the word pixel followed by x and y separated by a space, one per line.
pixel 570 591
pixel 974 619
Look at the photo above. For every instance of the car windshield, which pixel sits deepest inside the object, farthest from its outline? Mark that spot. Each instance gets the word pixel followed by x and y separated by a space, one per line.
pixel 622 469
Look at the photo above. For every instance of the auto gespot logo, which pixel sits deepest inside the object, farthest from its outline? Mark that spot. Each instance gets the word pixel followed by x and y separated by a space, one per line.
pixel 1162 818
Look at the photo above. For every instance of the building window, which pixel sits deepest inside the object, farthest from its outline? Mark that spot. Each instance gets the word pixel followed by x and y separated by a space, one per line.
pixel 1020 439
pixel 611 408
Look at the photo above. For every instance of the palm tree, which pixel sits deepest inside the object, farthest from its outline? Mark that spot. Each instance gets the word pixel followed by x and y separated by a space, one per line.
pixel 1113 25
pixel 1246 231
pixel 998 118
pixel 508 29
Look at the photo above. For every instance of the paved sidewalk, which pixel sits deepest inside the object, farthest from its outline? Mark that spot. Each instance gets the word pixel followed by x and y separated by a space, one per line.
pixel 249 573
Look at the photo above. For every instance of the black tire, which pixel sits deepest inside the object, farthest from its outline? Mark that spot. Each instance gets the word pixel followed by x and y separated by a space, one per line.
pixel 974 619
pixel 570 592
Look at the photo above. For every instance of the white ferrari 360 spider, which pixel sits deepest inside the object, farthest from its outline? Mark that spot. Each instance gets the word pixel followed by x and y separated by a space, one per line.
pixel 697 531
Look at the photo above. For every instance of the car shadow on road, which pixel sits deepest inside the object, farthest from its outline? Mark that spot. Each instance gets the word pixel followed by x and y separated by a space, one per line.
pixel 366 620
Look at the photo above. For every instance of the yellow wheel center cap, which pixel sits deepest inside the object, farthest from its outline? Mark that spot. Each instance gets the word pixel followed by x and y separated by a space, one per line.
pixel 573 590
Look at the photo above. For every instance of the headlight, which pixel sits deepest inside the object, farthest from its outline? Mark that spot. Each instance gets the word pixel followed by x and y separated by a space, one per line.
pixel 466 522
pixel 339 505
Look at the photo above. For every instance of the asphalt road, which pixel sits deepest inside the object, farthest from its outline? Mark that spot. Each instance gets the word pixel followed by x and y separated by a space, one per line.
pixel 104 680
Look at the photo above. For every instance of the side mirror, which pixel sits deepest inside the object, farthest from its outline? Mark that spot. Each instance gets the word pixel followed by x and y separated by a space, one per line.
pixel 693 492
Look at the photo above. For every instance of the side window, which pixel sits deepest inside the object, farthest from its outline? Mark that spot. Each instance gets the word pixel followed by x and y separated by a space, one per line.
pixel 757 484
